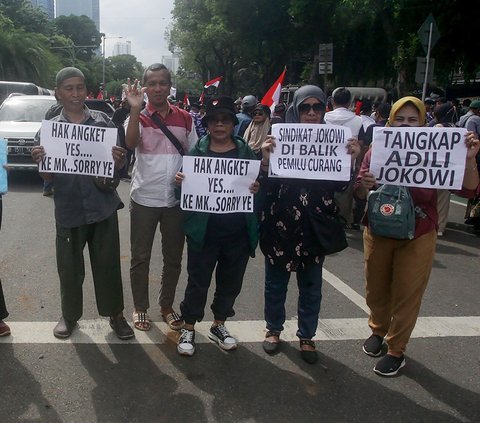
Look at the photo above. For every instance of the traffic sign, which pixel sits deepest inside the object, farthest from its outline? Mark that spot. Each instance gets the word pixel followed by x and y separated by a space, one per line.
pixel 424 32
pixel 325 52
pixel 325 68
pixel 421 67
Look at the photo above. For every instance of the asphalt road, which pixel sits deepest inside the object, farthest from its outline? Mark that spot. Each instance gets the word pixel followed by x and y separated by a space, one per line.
pixel 94 377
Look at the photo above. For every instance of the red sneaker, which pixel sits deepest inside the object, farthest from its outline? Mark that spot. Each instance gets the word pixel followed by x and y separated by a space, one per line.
pixel 4 329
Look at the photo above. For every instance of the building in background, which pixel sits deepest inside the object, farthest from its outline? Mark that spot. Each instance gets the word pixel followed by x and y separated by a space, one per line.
pixel 124 47
pixel 90 8
pixel 48 6
pixel 171 62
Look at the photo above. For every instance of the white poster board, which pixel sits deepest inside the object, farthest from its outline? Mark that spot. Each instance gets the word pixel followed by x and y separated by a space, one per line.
pixel 218 185
pixel 419 157
pixel 77 149
pixel 310 151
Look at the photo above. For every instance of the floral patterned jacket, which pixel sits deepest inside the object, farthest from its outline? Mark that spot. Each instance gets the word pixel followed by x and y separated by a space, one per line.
pixel 285 238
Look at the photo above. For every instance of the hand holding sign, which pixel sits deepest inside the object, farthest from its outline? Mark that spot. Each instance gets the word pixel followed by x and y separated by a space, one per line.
pixel 218 185
pixel 311 151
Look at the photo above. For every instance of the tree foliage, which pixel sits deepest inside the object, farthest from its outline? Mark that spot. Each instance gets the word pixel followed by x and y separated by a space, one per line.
pixel 375 41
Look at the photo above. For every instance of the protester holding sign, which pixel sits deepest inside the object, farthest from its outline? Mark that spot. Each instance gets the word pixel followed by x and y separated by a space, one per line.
pixel 397 270
pixel 288 238
pixel 84 214
pixel 221 240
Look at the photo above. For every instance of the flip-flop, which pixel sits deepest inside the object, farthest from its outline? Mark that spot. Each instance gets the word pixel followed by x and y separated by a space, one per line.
pixel 173 320
pixel 141 321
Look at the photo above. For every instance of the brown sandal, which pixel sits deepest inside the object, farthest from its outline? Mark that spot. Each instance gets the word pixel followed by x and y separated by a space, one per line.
pixel 141 321
pixel 173 320
pixel 309 356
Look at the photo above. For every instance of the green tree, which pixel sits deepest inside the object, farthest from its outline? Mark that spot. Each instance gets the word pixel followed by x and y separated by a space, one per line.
pixel 82 31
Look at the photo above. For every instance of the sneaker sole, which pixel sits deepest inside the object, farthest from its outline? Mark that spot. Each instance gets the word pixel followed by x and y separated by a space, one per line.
pixel 389 374
pixel 223 346
pixel 187 353
pixel 371 354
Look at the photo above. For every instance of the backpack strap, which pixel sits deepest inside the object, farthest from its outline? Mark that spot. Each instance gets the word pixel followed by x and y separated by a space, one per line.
pixel 173 139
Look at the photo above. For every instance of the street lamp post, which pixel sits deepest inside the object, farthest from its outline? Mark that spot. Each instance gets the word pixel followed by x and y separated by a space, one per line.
pixel 104 37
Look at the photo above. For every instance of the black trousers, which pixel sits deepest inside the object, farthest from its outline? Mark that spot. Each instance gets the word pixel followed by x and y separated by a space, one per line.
pixel 3 307
pixel 230 257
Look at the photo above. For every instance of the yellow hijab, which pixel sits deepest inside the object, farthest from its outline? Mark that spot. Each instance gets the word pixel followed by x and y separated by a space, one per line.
pixel 416 102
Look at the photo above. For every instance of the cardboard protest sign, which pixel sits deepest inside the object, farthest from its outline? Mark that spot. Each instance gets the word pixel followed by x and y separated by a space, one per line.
pixel 3 171
pixel 77 149
pixel 419 157
pixel 309 151
pixel 218 185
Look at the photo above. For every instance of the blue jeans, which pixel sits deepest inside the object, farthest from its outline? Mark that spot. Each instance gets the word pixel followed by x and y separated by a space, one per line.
pixel 310 295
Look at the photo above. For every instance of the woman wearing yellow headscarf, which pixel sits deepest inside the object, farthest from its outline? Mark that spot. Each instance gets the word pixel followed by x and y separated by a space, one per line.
pixel 397 271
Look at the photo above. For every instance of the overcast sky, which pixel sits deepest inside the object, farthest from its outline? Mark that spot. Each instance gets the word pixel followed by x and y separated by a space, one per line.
pixel 143 22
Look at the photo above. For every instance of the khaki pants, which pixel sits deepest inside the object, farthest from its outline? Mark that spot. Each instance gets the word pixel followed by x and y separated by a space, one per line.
pixel 397 273
pixel 443 206
pixel 143 225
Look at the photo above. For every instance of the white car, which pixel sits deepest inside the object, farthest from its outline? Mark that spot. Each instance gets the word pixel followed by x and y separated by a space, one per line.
pixel 20 119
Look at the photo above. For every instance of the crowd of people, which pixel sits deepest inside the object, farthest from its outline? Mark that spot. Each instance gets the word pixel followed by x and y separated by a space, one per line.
pixel 284 221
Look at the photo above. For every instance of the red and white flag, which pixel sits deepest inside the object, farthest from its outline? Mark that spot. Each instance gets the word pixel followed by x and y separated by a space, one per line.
pixel 214 82
pixel 201 99
pixel 272 96
pixel 186 101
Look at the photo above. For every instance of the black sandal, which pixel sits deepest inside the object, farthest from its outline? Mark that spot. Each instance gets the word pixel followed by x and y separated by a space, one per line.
pixel 271 347
pixel 311 357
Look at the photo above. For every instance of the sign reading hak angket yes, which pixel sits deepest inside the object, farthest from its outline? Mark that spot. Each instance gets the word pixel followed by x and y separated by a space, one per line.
pixel 217 185
pixel 78 149
pixel 423 157
pixel 311 152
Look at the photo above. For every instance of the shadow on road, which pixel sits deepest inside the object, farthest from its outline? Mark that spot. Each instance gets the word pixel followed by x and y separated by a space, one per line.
pixel 21 397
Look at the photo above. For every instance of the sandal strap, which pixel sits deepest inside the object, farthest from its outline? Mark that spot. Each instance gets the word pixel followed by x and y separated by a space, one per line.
pixel 141 317
pixel 172 317
pixel 272 333
pixel 308 342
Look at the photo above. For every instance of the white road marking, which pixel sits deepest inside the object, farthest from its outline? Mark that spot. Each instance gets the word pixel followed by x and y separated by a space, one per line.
pixel 98 331
pixel 458 203
pixel 343 288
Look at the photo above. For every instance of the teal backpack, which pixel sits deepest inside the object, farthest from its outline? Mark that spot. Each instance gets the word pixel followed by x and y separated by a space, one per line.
pixel 391 212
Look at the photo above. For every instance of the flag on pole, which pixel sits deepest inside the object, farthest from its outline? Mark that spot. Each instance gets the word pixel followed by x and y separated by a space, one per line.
pixel 186 101
pixel 214 82
pixel 272 96
pixel 201 99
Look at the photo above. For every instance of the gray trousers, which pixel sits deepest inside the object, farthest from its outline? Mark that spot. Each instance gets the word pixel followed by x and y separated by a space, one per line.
pixel 143 225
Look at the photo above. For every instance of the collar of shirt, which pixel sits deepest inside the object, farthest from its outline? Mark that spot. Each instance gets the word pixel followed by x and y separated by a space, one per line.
pixel 86 115
pixel 151 110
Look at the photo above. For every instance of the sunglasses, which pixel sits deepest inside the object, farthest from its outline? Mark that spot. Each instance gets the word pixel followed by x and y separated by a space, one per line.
pixel 305 108
pixel 257 113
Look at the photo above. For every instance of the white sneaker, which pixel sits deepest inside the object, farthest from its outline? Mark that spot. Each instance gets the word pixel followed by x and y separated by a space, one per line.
pixel 439 233
pixel 186 342
pixel 219 334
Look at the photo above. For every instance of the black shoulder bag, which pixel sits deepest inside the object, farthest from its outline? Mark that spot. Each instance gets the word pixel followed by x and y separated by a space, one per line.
pixel 173 139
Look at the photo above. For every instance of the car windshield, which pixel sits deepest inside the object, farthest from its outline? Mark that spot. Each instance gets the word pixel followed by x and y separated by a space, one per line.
pixel 18 109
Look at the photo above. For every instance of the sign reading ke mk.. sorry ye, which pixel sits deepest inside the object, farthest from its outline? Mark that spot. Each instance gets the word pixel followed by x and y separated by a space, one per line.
pixel 421 157
pixel 218 185
pixel 77 149
pixel 310 151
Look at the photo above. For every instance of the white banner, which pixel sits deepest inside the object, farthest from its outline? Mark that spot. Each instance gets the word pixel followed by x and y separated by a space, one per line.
pixel 419 157
pixel 310 151
pixel 77 149
pixel 218 185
